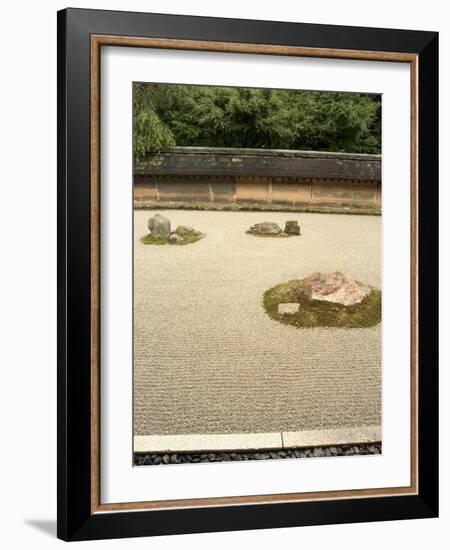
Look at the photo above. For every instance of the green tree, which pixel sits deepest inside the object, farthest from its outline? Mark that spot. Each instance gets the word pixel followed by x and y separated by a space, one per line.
pixel 150 133
pixel 209 116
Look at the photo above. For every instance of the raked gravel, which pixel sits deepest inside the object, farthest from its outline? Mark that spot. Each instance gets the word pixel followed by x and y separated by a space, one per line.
pixel 207 359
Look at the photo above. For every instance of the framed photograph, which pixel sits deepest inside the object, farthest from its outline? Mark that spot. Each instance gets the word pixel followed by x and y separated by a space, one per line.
pixel 247 254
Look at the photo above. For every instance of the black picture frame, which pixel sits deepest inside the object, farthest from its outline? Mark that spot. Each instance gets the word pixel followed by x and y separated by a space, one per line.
pixel 76 519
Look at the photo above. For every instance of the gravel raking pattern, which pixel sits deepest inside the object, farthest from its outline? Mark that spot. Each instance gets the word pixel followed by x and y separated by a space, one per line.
pixel 208 359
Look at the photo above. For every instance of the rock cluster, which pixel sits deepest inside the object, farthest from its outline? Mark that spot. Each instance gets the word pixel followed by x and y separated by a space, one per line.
pixel 160 228
pixel 274 230
pixel 333 287
pixel 142 459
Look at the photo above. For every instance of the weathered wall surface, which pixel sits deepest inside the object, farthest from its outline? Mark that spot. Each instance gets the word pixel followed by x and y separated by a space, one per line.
pixel 253 191
pixel 294 179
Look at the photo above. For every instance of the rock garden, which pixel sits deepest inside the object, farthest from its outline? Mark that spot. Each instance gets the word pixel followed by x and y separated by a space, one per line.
pixel 160 232
pixel 324 300
pixel 272 229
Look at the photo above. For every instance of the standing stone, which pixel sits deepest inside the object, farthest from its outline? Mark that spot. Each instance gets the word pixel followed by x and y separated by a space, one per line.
pixel 292 227
pixel 159 226
pixel 332 287
pixel 265 228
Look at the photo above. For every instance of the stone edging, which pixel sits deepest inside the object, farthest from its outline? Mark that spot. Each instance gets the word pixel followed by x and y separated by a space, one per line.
pixel 154 459
pixel 256 441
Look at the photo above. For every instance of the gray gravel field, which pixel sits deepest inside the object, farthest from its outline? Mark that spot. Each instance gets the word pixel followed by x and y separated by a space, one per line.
pixel 207 359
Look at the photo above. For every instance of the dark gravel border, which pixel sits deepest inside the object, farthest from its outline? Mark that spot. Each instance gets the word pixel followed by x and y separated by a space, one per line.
pixel 154 459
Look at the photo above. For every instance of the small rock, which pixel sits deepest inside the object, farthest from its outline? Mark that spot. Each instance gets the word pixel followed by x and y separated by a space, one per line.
pixel 175 238
pixel 265 228
pixel 288 308
pixel 318 451
pixel 292 227
pixel 185 230
pixel 159 226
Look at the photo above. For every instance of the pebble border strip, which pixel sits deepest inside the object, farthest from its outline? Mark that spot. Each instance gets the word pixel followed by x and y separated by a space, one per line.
pixel 146 459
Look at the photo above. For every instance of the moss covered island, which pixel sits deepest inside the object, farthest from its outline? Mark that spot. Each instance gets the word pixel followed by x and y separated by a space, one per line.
pixel 318 313
pixel 187 239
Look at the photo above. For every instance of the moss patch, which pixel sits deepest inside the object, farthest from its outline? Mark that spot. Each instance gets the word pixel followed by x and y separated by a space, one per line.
pixel 315 313
pixel 187 239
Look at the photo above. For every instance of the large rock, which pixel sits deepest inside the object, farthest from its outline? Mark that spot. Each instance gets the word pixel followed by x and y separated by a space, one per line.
pixel 333 287
pixel 265 228
pixel 159 226
pixel 292 227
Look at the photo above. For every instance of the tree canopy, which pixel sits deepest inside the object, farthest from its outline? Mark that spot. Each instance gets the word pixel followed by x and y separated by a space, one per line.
pixel 208 116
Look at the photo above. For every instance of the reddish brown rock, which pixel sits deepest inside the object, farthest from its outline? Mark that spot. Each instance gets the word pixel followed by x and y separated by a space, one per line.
pixel 333 287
